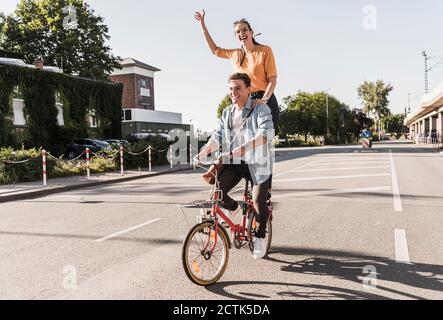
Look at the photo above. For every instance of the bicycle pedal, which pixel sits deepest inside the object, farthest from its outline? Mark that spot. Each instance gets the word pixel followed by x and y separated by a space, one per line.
pixel 224 225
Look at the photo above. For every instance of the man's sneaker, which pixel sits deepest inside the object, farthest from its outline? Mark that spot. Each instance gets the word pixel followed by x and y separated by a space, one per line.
pixel 259 248
pixel 231 215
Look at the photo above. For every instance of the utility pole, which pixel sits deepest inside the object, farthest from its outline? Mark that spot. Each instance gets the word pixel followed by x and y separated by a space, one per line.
pixel 327 112
pixel 426 72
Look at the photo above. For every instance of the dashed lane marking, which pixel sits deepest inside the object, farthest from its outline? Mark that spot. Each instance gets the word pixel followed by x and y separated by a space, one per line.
pixel 127 230
pixel 335 177
pixel 367 191
pixel 401 247
pixel 395 189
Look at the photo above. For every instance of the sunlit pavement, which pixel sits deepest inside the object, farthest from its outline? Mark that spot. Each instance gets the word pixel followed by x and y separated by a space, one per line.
pixel 348 224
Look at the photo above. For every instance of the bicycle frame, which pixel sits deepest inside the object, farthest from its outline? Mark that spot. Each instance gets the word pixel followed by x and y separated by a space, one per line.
pixel 239 230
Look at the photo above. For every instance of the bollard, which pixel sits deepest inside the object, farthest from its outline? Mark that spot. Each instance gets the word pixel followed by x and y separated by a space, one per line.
pixel 366 143
pixel 44 167
pixel 150 159
pixel 170 156
pixel 88 171
pixel 190 155
pixel 121 161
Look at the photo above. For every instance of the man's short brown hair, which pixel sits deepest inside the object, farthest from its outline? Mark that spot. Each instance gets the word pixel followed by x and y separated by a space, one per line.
pixel 241 76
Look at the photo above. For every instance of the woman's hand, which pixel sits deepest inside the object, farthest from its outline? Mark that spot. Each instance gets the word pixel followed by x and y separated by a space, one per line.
pixel 258 102
pixel 200 17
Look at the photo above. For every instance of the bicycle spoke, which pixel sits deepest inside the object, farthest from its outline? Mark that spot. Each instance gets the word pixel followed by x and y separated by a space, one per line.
pixel 217 269
pixel 217 250
pixel 195 240
pixel 214 268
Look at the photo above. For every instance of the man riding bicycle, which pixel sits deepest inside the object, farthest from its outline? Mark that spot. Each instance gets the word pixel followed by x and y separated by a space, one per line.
pixel 247 134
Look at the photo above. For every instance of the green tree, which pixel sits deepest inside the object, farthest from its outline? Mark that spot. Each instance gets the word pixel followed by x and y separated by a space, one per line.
pixel 226 102
pixel 2 23
pixel 395 124
pixel 305 114
pixel 357 122
pixel 374 97
pixel 38 28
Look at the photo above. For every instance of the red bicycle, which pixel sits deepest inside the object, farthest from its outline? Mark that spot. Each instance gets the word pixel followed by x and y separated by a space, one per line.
pixel 205 253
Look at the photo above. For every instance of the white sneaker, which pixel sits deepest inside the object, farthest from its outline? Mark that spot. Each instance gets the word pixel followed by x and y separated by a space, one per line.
pixel 230 214
pixel 259 248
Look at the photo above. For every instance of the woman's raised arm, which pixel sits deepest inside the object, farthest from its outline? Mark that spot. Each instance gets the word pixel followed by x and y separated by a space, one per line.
pixel 200 17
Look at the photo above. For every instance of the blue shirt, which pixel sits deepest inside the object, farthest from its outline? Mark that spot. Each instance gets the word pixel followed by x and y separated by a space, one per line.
pixel 260 160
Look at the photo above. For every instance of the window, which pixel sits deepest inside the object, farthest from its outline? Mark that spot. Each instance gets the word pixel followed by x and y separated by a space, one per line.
pixel 145 92
pixel 17 93
pixel 128 115
pixel 58 98
pixel 93 122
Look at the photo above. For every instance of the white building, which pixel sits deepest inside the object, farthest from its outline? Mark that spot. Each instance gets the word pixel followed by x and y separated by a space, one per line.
pixel 426 124
pixel 139 114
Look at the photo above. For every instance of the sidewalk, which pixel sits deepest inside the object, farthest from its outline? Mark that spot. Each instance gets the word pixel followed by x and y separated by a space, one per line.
pixel 30 190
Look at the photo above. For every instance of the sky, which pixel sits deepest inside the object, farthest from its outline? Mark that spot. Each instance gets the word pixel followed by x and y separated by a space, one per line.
pixel 318 45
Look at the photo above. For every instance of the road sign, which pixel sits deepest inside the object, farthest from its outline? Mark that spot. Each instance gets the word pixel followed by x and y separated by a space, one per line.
pixel 366 143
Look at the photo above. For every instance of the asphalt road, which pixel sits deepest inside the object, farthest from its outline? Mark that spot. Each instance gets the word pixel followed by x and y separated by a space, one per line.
pixel 348 225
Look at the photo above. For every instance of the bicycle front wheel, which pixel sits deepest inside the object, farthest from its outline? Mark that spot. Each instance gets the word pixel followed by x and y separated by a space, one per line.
pixel 202 265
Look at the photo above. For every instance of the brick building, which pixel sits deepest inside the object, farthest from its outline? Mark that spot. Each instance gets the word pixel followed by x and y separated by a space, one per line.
pixel 139 114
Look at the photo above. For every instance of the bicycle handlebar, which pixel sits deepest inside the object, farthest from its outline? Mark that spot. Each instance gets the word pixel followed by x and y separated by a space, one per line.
pixel 215 160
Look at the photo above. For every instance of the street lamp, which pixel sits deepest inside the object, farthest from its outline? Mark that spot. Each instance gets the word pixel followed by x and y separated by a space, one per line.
pixel 327 112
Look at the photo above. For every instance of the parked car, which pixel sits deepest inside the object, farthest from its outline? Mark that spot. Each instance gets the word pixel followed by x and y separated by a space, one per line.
pixel 144 135
pixel 77 147
pixel 116 143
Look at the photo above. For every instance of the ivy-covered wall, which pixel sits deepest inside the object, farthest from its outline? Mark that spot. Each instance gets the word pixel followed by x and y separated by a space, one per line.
pixel 80 98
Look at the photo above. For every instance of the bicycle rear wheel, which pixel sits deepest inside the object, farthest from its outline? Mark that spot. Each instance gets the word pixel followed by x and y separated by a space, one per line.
pixel 252 226
pixel 202 266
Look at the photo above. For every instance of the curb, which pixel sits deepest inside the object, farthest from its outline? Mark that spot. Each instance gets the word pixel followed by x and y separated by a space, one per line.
pixel 46 192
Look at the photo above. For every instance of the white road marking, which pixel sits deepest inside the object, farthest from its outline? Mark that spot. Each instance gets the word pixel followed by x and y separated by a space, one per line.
pixel 395 189
pixel 275 176
pixel 347 163
pixel 350 158
pixel 292 170
pixel 401 247
pixel 348 168
pixel 335 177
pixel 326 192
pixel 127 230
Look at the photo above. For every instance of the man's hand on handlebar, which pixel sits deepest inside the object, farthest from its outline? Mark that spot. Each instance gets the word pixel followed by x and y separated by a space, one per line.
pixel 239 152
pixel 199 158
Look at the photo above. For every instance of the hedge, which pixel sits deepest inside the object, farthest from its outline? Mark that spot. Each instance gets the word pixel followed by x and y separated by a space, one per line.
pixel 80 97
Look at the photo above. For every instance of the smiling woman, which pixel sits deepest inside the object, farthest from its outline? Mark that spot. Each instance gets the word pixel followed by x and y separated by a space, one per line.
pixel 252 58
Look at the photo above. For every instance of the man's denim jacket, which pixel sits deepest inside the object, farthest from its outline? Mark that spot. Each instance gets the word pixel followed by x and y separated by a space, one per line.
pixel 261 159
